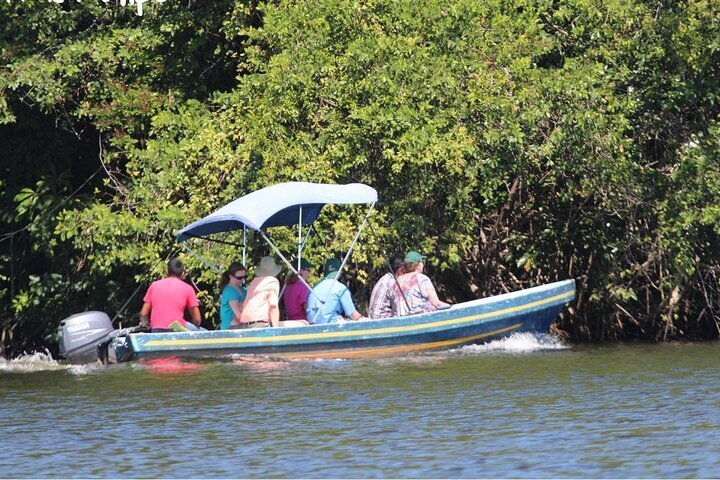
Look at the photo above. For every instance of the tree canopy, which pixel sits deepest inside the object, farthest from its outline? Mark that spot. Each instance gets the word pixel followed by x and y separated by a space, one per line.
pixel 516 142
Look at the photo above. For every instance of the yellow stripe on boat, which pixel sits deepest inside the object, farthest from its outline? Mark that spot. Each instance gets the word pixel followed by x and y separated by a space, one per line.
pixel 374 351
pixel 355 333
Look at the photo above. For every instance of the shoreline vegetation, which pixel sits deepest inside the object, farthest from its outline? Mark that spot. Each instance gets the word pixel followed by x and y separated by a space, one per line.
pixel 515 142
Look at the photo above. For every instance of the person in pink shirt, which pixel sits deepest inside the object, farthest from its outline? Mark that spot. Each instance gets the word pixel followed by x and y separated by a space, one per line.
pixel 166 301
pixel 296 293
pixel 261 307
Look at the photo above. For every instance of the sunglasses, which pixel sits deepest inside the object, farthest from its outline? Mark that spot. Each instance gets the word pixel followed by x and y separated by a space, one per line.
pixel 240 277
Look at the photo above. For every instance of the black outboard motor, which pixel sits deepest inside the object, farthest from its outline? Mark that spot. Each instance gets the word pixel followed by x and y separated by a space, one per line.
pixel 80 334
pixel 116 348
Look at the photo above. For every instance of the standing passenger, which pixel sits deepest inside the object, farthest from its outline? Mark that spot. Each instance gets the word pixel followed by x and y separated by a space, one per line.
pixel 415 290
pixel 261 303
pixel 233 292
pixel 331 298
pixel 166 301
pixel 381 304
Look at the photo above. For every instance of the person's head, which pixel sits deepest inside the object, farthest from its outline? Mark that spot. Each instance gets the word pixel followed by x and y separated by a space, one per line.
pixel 175 268
pixel 304 272
pixel 235 275
pixel 395 261
pixel 267 268
pixel 413 262
pixel 332 266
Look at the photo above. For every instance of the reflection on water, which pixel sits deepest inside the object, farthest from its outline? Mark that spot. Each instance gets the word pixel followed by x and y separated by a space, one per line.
pixel 527 406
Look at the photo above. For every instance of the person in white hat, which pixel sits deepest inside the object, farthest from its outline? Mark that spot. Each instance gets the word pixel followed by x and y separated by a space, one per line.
pixel 261 303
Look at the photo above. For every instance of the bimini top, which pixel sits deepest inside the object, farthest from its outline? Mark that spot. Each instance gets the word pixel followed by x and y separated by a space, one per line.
pixel 278 205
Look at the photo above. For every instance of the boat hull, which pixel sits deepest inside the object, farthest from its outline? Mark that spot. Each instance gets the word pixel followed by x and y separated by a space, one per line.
pixel 478 321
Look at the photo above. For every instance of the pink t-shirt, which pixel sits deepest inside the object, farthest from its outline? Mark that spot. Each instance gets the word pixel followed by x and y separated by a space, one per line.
pixel 296 295
pixel 262 293
pixel 168 299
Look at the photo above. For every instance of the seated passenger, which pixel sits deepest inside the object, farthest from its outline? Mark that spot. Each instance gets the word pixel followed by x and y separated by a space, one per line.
pixel 331 298
pixel 232 295
pixel 261 303
pixel 296 293
pixel 167 300
pixel 381 305
pixel 415 293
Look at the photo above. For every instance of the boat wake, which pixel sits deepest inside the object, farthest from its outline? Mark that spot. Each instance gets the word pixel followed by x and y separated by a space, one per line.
pixel 40 362
pixel 31 362
pixel 517 343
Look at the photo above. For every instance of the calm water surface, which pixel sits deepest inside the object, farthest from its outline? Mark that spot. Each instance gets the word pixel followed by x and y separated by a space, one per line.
pixel 524 407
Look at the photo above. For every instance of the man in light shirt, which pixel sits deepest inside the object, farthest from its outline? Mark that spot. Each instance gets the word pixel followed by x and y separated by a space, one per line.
pixel 331 298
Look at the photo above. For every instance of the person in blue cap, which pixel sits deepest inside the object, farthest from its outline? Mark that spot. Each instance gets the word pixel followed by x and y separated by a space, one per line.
pixel 331 298
pixel 415 292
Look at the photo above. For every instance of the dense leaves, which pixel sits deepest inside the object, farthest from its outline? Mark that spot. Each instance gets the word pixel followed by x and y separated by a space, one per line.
pixel 516 142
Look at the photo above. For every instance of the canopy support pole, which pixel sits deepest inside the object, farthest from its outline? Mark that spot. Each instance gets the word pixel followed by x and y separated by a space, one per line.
pixel 307 236
pixel 355 240
pixel 347 256
pixel 208 264
pixel 244 247
pixel 282 257
pixel 299 238
pixel 215 240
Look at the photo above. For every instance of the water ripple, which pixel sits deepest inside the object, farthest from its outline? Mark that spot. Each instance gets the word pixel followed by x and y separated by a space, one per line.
pixel 542 409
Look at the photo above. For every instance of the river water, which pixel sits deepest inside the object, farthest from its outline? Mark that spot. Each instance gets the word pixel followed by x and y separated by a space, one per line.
pixel 524 407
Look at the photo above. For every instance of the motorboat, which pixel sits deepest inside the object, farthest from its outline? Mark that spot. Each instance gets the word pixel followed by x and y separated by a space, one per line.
pixel 90 336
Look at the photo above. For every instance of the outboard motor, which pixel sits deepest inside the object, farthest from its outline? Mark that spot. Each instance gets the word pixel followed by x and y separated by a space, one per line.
pixel 80 334
pixel 116 348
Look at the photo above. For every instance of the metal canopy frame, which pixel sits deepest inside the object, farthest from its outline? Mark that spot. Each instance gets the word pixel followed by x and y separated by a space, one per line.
pixel 368 194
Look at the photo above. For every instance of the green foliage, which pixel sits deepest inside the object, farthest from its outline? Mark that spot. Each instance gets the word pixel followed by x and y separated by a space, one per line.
pixel 516 142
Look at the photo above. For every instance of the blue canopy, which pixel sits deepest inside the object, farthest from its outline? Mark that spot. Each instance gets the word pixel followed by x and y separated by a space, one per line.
pixel 278 205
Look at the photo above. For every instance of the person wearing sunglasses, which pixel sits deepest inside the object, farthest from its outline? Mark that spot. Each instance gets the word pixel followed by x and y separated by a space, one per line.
pixel 232 296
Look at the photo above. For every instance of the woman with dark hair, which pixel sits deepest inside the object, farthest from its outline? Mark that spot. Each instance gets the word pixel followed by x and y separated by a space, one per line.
pixel 232 296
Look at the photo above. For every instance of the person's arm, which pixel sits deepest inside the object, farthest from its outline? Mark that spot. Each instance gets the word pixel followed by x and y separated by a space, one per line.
pixel 348 306
pixel 428 290
pixel 302 296
pixel 145 315
pixel 236 307
pixel 274 301
pixel 274 316
pixel 195 315
pixel 192 305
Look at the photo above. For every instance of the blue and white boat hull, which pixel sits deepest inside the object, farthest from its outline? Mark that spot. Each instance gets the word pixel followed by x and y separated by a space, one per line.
pixel 478 321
